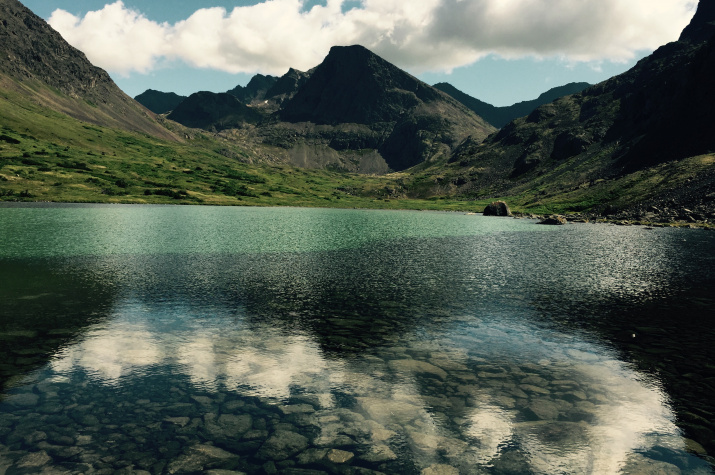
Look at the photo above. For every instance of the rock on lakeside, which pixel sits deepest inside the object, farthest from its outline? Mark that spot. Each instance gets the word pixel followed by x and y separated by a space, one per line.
pixel 553 220
pixel 497 208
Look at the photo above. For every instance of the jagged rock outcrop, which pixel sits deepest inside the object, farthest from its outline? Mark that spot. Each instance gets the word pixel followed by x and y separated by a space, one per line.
pixel 37 62
pixel 287 86
pixel 255 90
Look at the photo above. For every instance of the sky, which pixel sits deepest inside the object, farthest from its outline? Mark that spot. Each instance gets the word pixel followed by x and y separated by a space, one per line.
pixel 499 51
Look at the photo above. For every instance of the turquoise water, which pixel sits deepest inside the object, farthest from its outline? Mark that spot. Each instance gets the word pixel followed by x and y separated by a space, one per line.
pixel 244 340
pixel 71 230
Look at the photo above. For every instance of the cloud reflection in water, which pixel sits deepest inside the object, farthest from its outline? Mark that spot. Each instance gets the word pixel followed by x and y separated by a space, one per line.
pixel 564 404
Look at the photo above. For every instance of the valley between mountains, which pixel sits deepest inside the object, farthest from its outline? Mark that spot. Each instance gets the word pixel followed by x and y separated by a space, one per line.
pixel 357 131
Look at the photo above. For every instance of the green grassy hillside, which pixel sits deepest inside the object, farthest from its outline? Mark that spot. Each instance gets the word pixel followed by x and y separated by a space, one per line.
pixel 48 156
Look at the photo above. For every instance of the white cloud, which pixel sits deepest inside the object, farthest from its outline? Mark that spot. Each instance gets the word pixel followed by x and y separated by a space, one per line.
pixel 434 35
pixel 115 38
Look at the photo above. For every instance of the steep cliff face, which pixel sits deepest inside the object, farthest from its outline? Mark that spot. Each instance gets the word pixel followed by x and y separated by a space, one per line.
pixel 34 55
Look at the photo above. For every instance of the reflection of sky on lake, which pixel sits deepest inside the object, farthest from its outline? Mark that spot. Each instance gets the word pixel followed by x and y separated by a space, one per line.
pixel 226 354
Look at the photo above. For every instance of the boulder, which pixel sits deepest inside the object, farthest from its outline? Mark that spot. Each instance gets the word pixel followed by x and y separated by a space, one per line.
pixel 497 208
pixel 200 457
pixel 553 220
pixel 282 445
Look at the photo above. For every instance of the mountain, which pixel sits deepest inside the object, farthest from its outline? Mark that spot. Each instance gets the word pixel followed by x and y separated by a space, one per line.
pixel 40 65
pixel 287 86
pixel 644 136
pixel 500 116
pixel 159 102
pixel 212 111
pixel 354 112
pixel 255 90
pixel 269 92
pixel 356 101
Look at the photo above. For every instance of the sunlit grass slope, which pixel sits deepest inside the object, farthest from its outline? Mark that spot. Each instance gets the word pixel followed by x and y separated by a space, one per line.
pixel 47 156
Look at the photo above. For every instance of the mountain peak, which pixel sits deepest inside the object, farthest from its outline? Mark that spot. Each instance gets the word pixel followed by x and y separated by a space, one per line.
pixel 354 85
pixel 702 26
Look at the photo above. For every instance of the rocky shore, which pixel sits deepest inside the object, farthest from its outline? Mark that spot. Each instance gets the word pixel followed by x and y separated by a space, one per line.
pixel 640 216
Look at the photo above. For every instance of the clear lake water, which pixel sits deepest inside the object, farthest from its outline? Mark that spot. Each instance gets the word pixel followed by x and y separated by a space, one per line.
pixel 184 339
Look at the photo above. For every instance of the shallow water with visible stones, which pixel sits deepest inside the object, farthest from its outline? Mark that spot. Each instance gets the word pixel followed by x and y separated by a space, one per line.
pixel 149 339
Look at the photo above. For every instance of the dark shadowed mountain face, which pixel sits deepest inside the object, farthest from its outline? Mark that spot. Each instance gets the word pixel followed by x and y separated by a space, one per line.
pixel 702 27
pixel 35 56
pixel 353 85
pixel 212 111
pixel 159 102
pixel 662 110
pixel 500 116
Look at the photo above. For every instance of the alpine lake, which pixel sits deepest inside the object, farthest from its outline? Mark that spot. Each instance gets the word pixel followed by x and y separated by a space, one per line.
pixel 223 340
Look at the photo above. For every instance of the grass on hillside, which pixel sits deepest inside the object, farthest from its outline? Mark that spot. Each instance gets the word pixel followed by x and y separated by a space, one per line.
pixel 47 156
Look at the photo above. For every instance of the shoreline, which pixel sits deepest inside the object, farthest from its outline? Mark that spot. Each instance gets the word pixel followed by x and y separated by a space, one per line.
pixel 581 218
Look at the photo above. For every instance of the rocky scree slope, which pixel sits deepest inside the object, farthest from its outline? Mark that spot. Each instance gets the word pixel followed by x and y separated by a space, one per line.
pixel 38 63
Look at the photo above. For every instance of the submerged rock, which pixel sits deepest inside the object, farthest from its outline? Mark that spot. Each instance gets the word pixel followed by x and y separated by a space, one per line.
pixel 23 399
pixel 34 461
pixel 379 453
pixel 201 457
pixel 553 220
pixel 640 465
pixel 541 410
pixel 440 469
pixel 388 410
pixel 419 367
pixel 339 456
pixel 282 445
